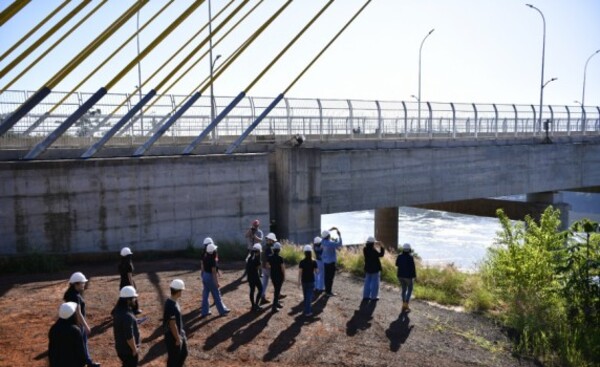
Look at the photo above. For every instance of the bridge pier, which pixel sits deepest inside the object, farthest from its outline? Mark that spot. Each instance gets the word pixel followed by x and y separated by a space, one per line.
pixel 386 227
pixel 541 200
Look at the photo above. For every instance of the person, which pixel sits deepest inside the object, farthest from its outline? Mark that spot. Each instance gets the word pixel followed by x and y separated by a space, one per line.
pixel 126 273
pixel 253 272
pixel 277 275
pixel 210 282
pixel 406 274
pixel 372 269
pixel 74 293
pixel 253 235
pixel 173 326
pixel 306 276
pixel 207 241
pixel 65 341
pixel 125 327
pixel 320 278
pixel 330 248
pixel 266 271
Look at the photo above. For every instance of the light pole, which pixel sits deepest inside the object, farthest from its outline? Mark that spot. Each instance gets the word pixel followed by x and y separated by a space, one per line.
pixel 139 69
pixel 584 76
pixel 419 97
pixel 212 64
pixel 543 62
pixel 213 106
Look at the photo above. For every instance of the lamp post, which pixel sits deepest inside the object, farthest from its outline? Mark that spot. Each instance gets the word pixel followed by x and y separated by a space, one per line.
pixel 584 76
pixel 543 62
pixel 213 106
pixel 419 97
pixel 139 69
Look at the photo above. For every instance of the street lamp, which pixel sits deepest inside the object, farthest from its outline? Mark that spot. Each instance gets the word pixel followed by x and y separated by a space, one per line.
pixel 579 103
pixel 419 98
pixel 212 64
pixel 543 62
pixel 213 106
pixel 584 76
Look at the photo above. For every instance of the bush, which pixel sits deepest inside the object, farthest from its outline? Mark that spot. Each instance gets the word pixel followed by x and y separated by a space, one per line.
pixel 291 253
pixel 32 263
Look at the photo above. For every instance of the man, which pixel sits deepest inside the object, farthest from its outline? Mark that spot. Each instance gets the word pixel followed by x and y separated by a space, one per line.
pixel 65 341
pixel 125 327
pixel 330 248
pixel 266 270
pixel 173 327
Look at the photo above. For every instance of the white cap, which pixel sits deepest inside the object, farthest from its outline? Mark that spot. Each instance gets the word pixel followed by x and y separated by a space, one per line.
pixel 325 234
pixel 371 239
pixel 317 240
pixel 211 248
pixel 77 278
pixel 208 241
pixel 307 248
pixel 67 310
pixel 257 247
pixel 272 236
pixel 125 251
pixel 128 292
pixel 277 246
pixel 177 284
pixel 406 247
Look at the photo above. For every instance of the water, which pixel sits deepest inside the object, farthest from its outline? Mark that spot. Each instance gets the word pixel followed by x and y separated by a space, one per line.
pixel 443 237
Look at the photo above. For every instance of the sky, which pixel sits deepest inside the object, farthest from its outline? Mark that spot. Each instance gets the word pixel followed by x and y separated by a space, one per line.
pixel 482 51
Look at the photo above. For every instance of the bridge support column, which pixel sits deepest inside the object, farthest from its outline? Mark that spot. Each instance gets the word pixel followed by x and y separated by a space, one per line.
pixel 541 200
pixel 298 214
pixel 386 227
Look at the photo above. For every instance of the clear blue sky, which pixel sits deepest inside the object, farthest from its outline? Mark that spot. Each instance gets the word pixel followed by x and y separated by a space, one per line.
pixel 481 50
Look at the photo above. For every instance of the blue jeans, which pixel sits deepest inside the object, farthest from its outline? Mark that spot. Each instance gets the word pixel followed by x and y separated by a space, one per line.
pixel 88 360
pixel 266 274
pixel 407 287
pixel 320 276
pixel 371 289
pixel 307 290
pixel 210 287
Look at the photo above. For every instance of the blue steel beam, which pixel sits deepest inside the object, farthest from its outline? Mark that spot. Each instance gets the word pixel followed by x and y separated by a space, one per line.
pixel 24 109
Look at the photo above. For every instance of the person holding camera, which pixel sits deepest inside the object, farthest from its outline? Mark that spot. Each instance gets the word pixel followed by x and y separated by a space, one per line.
pixel 330 248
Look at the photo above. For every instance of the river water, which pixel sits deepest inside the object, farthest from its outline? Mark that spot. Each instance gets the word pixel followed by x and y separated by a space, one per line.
pixel 443 237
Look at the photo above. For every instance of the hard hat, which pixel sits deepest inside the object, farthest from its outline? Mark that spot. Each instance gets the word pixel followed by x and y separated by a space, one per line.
pixel 125 251
pixel 371 239
pixel 208 241
pixel 406 247
pixel 128 292
pixel 325 234
pixel 177 284
pixel 308 248
pixel 77 278
pixel 257 247
pixel 272 236
pixel 256 223
pixel 211 248
pixel 66 310
pixel 317 240
pixel 277 246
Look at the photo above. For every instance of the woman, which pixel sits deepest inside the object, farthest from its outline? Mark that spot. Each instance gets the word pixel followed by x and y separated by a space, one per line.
pixel 406 274
pixel 253 272
pixel 320 279
pixel 277 276
pixel 210 280
pixel 306 276
pixel 65 343
pixel 372 269
pixel 126 273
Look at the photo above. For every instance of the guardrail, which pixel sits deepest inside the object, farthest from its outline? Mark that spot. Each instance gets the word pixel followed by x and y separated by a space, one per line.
pixel 327 118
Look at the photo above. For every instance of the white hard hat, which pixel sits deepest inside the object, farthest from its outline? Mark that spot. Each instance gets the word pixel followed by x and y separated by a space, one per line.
pixel 257 247
pixel 277 246
pixel 325 234
pixel 177 284
pixel 67 310
pixel 127 292
pixel 125 251
pixel 307 248
pixel 208 241
pixel 317 240
pixel 406 247
pixel 371 239
pixel 272 236
pixel 77 278
pixel 211 248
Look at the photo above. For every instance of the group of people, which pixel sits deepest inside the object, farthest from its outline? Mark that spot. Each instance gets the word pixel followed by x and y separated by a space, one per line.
pixel 68 336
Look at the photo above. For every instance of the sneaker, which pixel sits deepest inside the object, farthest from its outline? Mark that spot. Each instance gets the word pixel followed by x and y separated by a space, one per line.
pixel 256 308
pixel 308 314
pixel 282 296
pixel 264 301
pixel 137 312
pixel 274 309
pixel 141 320
pixel 93 364
pixel 279 305
pixel 330 294
pixel 225 312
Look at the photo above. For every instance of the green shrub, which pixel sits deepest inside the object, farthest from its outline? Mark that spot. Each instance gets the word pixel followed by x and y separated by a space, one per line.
pixel 292 254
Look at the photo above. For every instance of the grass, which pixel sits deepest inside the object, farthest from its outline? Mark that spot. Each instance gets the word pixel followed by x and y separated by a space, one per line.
pixel 32 263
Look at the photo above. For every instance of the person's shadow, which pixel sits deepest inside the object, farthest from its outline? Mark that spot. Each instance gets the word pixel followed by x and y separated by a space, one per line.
pixel 399 331
pixel 361 320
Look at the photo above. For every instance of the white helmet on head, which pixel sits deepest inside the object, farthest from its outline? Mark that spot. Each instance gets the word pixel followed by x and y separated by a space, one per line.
pixel 128 292
pixel 257 247
pixel 406 247
pixel 211 248
pixel 317 240
pixel 77 278
pixel 371 239
pixel 208 241
pixel 177 284
pixel 277 246
pixel 271 236
pixel 126 251
pixel 66 310
pixel 307 248
pixel 325 234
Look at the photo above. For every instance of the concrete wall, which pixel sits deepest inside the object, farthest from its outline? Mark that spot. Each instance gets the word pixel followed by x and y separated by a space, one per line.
pixel 147 203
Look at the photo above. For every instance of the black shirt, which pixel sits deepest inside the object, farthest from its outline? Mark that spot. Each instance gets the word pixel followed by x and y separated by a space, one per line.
pixel 372 262
pixel 308 270
pixel 252 267
pixel 124 269
pixel 65 345
pixel 275 261
pixel 208 263
pixel 406 266
pixel 124 328
pixel 73 296
pixel 172 312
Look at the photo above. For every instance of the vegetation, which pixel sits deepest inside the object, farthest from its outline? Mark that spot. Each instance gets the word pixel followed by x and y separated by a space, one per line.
pixel 32 263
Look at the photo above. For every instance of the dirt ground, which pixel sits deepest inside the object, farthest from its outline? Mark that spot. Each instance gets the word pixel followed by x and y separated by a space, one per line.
pixel 341 333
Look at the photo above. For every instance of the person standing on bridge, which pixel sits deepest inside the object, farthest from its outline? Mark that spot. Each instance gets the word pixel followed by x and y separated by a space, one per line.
pixel 406 274
pixel 330 248
pixel 253 235
pixel 372 269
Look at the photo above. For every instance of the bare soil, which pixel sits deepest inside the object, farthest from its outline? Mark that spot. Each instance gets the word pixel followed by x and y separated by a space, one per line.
pixel 343 332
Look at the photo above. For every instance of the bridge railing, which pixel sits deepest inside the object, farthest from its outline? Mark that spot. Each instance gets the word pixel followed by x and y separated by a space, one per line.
pixel 326 118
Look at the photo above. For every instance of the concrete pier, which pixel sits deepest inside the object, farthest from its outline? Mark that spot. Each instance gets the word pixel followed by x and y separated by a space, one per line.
pixel 386 227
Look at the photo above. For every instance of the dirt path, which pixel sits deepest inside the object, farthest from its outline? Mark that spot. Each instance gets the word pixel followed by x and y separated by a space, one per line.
pixel 341 333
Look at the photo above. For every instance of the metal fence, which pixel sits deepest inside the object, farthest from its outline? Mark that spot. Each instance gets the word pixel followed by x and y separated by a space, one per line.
pixel 327 118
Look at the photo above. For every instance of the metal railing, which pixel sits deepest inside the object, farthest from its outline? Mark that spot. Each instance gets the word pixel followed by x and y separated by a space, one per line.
pixel 327 118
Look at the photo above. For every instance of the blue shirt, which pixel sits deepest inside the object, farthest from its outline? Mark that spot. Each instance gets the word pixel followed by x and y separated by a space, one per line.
pixel 329 250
